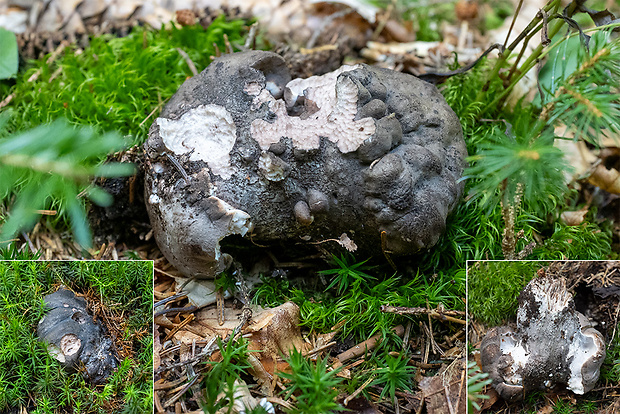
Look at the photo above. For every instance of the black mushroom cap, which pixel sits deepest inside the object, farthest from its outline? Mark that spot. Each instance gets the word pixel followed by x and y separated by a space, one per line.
pixel 75 339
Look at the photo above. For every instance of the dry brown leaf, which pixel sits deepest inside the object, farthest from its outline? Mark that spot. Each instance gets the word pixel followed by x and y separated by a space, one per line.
pixel 547 409
pixel 608 180
pixel 576 153
pixel 488 402
pixel 445 392
pixel 275 332
pixel 574 218
pixel 156 351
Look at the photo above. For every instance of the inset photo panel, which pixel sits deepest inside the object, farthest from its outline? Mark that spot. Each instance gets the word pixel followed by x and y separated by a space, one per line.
pixel 543 336
pixel 76 337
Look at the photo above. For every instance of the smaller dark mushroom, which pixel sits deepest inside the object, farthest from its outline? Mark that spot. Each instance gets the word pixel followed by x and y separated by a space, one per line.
pixel 75 339
pixel 552 347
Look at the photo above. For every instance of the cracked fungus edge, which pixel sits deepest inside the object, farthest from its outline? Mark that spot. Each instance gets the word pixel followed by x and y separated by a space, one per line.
pixel 229 220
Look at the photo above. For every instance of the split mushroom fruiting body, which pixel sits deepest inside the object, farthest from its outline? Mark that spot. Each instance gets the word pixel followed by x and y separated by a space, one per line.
pixel 553 345
pixel 243 149
pixel 74 338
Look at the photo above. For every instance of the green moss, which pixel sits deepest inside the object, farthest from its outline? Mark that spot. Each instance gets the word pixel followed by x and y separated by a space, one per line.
pixel 587 241
pixel 493 288
pixel 115 83
pixel 359 306
pixel 29 377
pixel 610 371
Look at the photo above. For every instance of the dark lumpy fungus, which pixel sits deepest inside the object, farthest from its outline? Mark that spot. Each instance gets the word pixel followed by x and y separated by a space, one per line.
pixel 365 151
pixel 552 346
pixel 75 339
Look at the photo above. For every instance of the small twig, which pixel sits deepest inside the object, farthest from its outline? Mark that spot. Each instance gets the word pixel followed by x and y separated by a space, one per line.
pixel 188 60
pixel 158 406
pixel 386 251
pixel 6 101
pixel 169 299
pixel 206 352
pixel 186 309
pixel 423 365
pixel 250 41
pixel 279 401
pixel 158 106
pixel 431 342
pixel 179 326
pixel 178 166
pixel 319 349
pixel 383 21
pixel 219 298
pixel 367 345
pixel 165 273
pixel 327 21
pixel 449 403
pixel 442 315
pixel 461 388
pixel 167 385
pixel 246 312
pixel 229 48
pixel 406 336
pixel 439 77
pixel 57 72
pixel 30 244
pixel 422 401
pixel 357 391
pixel 49 60
pixel 180 393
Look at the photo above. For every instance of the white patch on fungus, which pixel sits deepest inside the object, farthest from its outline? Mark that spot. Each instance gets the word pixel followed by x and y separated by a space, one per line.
pixel 70 344
pixel 207 131
pixel 240 221
pixel 520 356
pixel 270 169
pixel 552 296
pixel 56 353
pixel 252 88
pixel 336 101
pixel 585 351
pixel 158 168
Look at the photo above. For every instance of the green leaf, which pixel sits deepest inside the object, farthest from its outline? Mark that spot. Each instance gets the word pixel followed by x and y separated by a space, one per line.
pixel 115 169
pixel 9 58
pixel 50 166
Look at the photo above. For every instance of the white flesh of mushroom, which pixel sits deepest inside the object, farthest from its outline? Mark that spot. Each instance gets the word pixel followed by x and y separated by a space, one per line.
pixel 207 131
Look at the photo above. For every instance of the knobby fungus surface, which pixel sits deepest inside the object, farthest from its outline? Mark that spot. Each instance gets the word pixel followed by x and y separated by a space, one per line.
pixel 552 347
pixel 75 339
pixel 243 149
